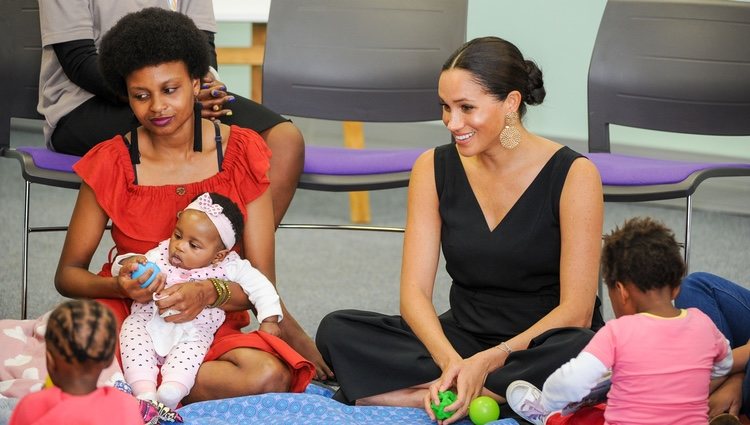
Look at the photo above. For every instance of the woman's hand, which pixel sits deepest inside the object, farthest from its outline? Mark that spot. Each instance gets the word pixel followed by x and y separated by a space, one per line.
pixel 432 397
pixel 727 398
pixel 131 288
pixel 213 97
pixel 188 299
pixel 467 376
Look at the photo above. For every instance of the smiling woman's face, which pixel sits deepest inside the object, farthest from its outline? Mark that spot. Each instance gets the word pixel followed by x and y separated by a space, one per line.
pixel 474 117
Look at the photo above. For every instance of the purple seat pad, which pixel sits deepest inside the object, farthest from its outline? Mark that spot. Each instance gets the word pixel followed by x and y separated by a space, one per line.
pixel 344 161
pixel 50 160
pixel 623 170
pixel 318 160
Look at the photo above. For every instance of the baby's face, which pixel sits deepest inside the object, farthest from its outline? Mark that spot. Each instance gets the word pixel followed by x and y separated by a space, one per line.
pixel 194 242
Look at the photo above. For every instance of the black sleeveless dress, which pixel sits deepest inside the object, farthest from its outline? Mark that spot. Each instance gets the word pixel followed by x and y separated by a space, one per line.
pixel 504 281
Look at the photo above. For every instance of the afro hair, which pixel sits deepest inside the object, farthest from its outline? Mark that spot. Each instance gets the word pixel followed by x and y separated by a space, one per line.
pixel 150 37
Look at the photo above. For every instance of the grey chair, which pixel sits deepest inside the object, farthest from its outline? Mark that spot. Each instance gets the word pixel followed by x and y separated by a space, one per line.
pixel 20 56
pixel 679 66
pixel 359 61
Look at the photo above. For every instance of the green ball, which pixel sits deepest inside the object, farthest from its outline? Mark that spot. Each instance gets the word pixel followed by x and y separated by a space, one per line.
pixel 483 409
pixel 446 398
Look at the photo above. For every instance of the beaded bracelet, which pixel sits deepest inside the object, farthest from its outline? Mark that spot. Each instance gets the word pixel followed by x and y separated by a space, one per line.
pixel 504 347
pixel 223 294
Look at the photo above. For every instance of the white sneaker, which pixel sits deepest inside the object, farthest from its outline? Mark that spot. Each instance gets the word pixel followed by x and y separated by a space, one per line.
pixel 525 399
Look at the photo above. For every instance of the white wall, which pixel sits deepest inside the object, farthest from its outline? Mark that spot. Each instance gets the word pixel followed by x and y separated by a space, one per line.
pixel 559 36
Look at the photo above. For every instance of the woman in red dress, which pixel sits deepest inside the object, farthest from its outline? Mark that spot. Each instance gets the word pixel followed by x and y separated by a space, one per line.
pixel 141 180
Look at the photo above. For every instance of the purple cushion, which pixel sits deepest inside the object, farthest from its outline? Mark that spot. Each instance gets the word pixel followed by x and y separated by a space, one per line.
pixel 318 160
pixel 49 160
pixel 344 161
pixel 623 170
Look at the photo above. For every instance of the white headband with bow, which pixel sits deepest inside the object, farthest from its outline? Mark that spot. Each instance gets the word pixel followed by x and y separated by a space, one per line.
pixel 215 213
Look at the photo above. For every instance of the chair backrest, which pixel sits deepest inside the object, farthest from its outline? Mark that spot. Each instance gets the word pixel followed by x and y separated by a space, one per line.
pixel 359 60
pixel 20 58
pixel 671 65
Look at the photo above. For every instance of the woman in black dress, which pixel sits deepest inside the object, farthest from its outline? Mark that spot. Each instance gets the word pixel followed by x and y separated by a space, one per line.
pixel 519 220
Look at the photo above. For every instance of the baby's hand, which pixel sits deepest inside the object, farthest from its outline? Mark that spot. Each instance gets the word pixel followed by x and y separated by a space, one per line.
pixel 129 264
pixel 270 327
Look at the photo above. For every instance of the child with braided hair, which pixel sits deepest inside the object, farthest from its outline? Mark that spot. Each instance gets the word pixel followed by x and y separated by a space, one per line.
pixel 199 248
pixel 80 341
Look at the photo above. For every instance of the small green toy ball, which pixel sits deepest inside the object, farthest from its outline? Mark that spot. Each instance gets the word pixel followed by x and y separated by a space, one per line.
pixel 446 398
pixel 483 409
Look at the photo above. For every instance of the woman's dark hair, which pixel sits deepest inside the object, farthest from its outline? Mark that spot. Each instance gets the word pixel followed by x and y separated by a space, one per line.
pixel 231 211
pixel 151 37
pixel 642 252
pixel 499 67
pixel 82 331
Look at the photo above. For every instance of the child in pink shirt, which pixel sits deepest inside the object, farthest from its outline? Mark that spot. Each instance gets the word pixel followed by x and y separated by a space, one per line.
pixel 80 342
pixel 661 358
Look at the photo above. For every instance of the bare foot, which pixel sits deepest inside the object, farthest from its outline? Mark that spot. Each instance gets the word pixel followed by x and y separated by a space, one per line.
pixel 408 397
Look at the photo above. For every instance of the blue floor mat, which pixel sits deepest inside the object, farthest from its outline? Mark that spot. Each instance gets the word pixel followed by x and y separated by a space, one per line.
pixel 313 407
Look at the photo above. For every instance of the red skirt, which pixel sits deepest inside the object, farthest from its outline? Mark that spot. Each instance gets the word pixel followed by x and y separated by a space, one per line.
pixel 230 336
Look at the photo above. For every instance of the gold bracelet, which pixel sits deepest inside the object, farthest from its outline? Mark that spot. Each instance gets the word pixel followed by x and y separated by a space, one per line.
pixel 504 347
pixel 218 294
pixel 222 292
pixel 228 292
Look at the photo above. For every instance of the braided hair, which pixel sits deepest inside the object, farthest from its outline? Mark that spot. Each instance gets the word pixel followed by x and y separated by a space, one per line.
pixel 82 331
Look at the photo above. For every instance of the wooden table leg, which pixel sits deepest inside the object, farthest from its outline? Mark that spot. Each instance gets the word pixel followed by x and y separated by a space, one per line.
pixel 256 79
pixel 252 55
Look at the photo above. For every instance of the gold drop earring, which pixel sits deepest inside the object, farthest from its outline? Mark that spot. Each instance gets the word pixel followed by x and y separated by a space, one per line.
pixel 510 137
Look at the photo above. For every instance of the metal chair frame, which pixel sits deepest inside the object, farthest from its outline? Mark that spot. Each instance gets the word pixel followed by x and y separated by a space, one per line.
pixel 678 66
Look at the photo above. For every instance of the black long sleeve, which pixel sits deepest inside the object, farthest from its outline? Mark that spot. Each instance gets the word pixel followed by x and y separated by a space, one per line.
pixel 211 50
pixel 78 59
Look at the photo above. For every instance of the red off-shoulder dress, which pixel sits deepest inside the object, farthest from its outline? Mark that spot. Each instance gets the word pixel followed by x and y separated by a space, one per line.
pixel 142 216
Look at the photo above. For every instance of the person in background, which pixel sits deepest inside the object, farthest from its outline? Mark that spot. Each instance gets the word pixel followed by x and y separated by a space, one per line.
pixel 728 305
pixel 81 110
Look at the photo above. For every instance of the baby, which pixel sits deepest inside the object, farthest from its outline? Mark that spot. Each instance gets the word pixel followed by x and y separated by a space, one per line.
pixel 199 249
pixel 662 358
pixel 80 342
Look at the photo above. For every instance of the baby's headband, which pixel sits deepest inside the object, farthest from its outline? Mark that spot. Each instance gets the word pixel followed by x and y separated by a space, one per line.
pixel 215 213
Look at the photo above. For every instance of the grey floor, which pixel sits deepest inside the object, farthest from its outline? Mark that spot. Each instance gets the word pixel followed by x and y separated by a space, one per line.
pixel 321 271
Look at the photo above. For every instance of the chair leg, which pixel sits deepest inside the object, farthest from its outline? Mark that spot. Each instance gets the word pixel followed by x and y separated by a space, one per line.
pixel 688 220
pixel 25 253
pixel 359 202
